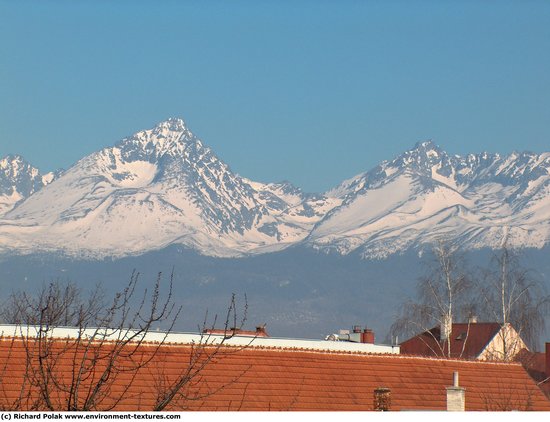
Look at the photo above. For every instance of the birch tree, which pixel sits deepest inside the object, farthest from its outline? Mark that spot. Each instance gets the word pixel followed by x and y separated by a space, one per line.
pixel 443 295
pixel 512 295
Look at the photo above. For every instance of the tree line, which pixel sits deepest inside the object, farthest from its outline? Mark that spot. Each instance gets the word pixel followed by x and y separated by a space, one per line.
pixel 451 290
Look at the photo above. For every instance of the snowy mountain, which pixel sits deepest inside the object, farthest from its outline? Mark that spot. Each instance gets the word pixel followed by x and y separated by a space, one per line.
pixel 163 186
pixel 158 187
pixel 425 194
pixel 18 181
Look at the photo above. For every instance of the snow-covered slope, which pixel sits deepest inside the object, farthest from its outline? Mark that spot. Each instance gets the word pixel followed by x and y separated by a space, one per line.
pixel 425 194
pixel 155 188
pixel 19 180
pixel 163 186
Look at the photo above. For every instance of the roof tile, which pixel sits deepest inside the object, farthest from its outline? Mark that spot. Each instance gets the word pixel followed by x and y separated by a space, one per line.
pixel 268 379
pixel 467 346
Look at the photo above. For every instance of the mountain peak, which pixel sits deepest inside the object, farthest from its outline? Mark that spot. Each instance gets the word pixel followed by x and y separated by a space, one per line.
pixel 173 124
pixel 19 180
pixel 423 156
pixel 15 164
pixel 425 146
pixel 169 136
pixel 10 159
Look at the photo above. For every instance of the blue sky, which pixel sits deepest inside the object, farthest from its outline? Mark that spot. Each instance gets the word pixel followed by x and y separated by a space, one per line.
pixel 308 91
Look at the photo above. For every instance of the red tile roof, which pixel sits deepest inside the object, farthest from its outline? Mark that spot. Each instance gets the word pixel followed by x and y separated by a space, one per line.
pixel 282 379
pixel 466 341
pixel 535 365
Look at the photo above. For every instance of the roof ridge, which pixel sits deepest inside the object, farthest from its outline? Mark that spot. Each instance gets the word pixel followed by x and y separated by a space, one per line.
pixel 354 352
pixel 253 347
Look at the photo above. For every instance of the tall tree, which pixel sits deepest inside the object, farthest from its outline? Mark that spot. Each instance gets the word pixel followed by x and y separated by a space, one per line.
pixel 512 295
pixel 443 295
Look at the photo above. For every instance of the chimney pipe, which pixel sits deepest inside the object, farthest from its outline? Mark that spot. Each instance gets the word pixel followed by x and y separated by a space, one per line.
pixel 472 319
pixel 456 396
pixel 367 336
pixel 382 399
pixel 261 331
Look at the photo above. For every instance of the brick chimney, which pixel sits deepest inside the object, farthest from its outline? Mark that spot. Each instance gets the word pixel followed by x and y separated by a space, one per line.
pixel 382 399
pixel 456 396
pixel 261 331
pixel 367 336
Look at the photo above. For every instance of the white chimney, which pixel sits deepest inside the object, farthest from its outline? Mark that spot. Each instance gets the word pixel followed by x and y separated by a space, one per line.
pixel 446 327
pixel 456 396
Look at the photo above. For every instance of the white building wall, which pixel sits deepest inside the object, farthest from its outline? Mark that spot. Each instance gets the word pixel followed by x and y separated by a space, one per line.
pixel 504 346
pixel 194 338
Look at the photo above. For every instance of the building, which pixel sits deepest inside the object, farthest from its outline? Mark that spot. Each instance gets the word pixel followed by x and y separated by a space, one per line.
pixel 246 373
pixel 471 340
pixel 537 365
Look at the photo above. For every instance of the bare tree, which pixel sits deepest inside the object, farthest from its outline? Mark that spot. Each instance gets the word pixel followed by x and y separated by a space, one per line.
pixel 505 293
pixel 8 403
pixel 176 389
pixel 512 296
pixel 95 368
pixel 509 398
pixel 442 295
pixel 57 304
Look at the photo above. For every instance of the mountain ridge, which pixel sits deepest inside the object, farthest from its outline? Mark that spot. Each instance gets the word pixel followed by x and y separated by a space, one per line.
pixel 163 186
pixel 18 180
